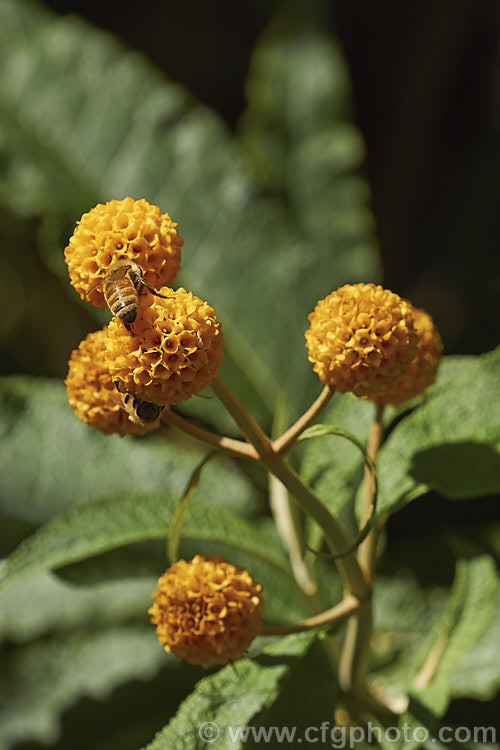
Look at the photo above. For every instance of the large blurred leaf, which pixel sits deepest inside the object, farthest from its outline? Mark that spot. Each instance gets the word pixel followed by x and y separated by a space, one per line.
pixel 55 461
pixel 40 681
pixel 468 613
pixel 298 141
pixel 427 668
pixel 451 443
pixel 84 121
pixel 45 603
pixel 302 148
pixel 404 614
pixel 226 701
pixel 114 521
pixel 478 674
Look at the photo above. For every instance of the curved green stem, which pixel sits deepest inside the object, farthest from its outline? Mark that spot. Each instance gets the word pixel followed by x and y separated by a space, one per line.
pixel 336 536
pixel 370 482
pixel 287 515
pixel 176 527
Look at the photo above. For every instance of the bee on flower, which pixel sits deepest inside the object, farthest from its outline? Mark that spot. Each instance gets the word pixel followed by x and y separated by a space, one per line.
pixel 93 395
pixel 118 241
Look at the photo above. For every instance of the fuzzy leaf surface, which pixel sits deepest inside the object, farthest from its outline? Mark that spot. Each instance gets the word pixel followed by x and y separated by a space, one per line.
pixel 111 522
pixel 451 442
pixel 44 603
pixel 55 461
pixel 41 680
pixel 427 668
pixel 333 465
pixel 229 699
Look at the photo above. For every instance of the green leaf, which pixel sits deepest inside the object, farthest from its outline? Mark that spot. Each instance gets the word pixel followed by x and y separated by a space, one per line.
pixel 39 681
pixel 477 675
pixel 298 138
pixel 229 699
pixel 45 603
pixel 318 682
pixel 74 135
pixel 56 461
pixel 322 430
pixel 333 465
pixel 403 613
pixel 451 442
pixel 426 669
pixel 121 519
pixel 299 143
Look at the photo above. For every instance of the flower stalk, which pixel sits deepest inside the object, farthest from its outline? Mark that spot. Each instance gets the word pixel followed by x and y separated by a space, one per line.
pixel 227 444
pixel 248 426
pixel 344 608
pixel 287 440
pixel 287 516
pixel 355 657
pixel 366 549
pixel 336 536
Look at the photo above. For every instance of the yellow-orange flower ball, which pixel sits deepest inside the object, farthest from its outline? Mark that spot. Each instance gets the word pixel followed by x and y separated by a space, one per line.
pixel 424 366
pixel 91 392
pixel 173 351
pixel 125 229
pixel 207 611
pixel 361 339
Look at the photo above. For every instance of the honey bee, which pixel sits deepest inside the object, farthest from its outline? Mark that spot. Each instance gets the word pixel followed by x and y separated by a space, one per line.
pixel 121 287
pixel 142 413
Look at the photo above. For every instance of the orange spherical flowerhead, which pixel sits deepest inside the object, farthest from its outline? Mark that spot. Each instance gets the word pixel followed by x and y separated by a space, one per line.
pixel 91 392
pixel 424 366
pixel 173 352
pixel 121 230
pixel 206 610
pixel 361 339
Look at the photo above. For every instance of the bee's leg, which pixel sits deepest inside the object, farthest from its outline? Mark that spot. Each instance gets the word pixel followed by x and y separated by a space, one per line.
pixel 153 291
pixel 130 327
pixel 87 294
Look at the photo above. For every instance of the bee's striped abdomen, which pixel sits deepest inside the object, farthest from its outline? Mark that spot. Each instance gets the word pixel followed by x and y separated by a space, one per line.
pixel 122 298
